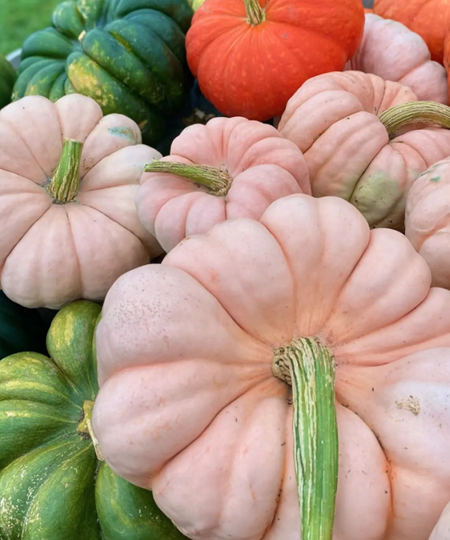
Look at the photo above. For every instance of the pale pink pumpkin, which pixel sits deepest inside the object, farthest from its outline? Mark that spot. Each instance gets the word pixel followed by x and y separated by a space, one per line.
pixel 428 220
pixel 190 406
pixel 395 53
pixel 334 119
pixel 248 166
pixel 60 239
pixel 442 529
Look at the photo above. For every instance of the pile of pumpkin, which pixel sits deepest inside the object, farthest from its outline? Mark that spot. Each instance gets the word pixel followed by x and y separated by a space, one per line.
pixel 249 338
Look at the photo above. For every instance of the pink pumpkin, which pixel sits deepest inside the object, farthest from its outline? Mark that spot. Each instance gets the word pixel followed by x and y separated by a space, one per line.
pixel 343 123
pixel 395 53
pixel 428 220
pixel 442 529
pixel 232 167
pixel 197 355
pixel 68 180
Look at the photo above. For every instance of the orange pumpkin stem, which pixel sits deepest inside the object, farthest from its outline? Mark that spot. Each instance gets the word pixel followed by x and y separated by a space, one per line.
pixel 308 366
pixel 218 181
pixel 255 13
pixel 418 112
pixel 66 179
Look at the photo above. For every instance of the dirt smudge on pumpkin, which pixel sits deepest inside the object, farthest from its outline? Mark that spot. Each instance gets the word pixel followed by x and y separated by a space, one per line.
pixel 411 404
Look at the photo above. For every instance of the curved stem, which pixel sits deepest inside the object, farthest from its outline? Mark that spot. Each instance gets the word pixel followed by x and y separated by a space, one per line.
pixel 421 112
pixel 309 367
pixel 255 13
pixel 85 427
pixel 66 179
pixel 218 181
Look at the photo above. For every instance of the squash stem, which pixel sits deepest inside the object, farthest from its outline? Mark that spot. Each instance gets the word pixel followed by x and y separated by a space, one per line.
pixel 66 179
pixel 218 181
pixel 255 13
pixel 309 367
pixel 85 427
pixel 420 112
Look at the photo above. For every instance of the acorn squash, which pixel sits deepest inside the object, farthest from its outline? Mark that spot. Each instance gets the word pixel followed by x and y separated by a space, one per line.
pixel 128 55
pixel 52 485
pixel 7 80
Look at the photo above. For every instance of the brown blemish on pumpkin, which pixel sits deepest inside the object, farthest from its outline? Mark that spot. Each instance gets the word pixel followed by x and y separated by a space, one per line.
pixel 411 404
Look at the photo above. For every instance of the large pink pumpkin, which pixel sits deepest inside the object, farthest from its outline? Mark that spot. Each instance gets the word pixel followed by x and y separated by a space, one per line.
pixel 442 529
pixel 68 180
pixel 428 220
pixel 395 53
pixel 230 168
pixel 334 119
pixel 189 405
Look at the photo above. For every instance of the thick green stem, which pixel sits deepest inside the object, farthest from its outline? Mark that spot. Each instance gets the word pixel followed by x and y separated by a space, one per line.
pixel 85 427
pixel 255 13
pixel 218 181
pixel 309 367
pixel 66 179
pixel 418 112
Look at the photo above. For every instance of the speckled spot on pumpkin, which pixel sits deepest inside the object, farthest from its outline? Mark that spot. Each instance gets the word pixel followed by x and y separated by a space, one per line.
pixel 435 179
pixel 125 133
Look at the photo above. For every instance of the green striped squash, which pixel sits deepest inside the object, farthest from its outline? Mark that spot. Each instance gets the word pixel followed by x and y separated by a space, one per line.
pixel 128 55
pixel 7 80
pixel 52 485
pixel 21 329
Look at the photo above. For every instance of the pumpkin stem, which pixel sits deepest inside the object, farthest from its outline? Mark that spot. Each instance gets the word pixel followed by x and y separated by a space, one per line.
pixel 218 181
pixel 309 367
pixel 66 179
pixel 420 112
pixel 255 13
pixel 85 427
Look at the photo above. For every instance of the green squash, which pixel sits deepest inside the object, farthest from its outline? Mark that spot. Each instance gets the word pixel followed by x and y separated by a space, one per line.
pixel 21 329
pixel 7 80
pixel 128 55
pixel 52 485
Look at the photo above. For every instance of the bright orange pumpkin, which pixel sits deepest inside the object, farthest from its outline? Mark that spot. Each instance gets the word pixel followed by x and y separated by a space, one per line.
pixel 428 18
pixel 250 56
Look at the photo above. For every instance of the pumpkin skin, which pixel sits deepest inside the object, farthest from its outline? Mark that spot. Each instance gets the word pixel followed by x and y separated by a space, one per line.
pixel 446 60
pixel 428 18
pixel 333 119
pixel 262 165
pixel 394 53
pixel 252 70
pixel 442 529
pixel 427 221
pixel 51 482
pixel 21 329
pixel 128 55
pixel 208 427
pixel 53 252
pixel 7 80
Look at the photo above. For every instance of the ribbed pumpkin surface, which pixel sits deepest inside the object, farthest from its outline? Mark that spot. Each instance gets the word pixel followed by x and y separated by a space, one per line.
pixel 52 486
pixel 128 55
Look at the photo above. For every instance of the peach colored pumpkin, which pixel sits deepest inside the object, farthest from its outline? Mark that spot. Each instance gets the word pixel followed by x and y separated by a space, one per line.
pixel 189 405
pixel 442 529
pixel 252 167
pixel 61 240
pixel 395 53
pixel 334 120
pixel 428 220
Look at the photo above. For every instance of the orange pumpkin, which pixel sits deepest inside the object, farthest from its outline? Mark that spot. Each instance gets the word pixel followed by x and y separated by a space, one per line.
pixel 250 56
pixel 428 18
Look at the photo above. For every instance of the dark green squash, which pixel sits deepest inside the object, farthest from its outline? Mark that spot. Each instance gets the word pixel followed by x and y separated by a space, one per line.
pixel 128 55
pixel 21 329
pixel 52 486
pixel 7 80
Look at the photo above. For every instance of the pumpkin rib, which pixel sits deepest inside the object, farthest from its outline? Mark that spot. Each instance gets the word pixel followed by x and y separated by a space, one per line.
pixel 24 142
pixel 121 225
pixel 80 275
